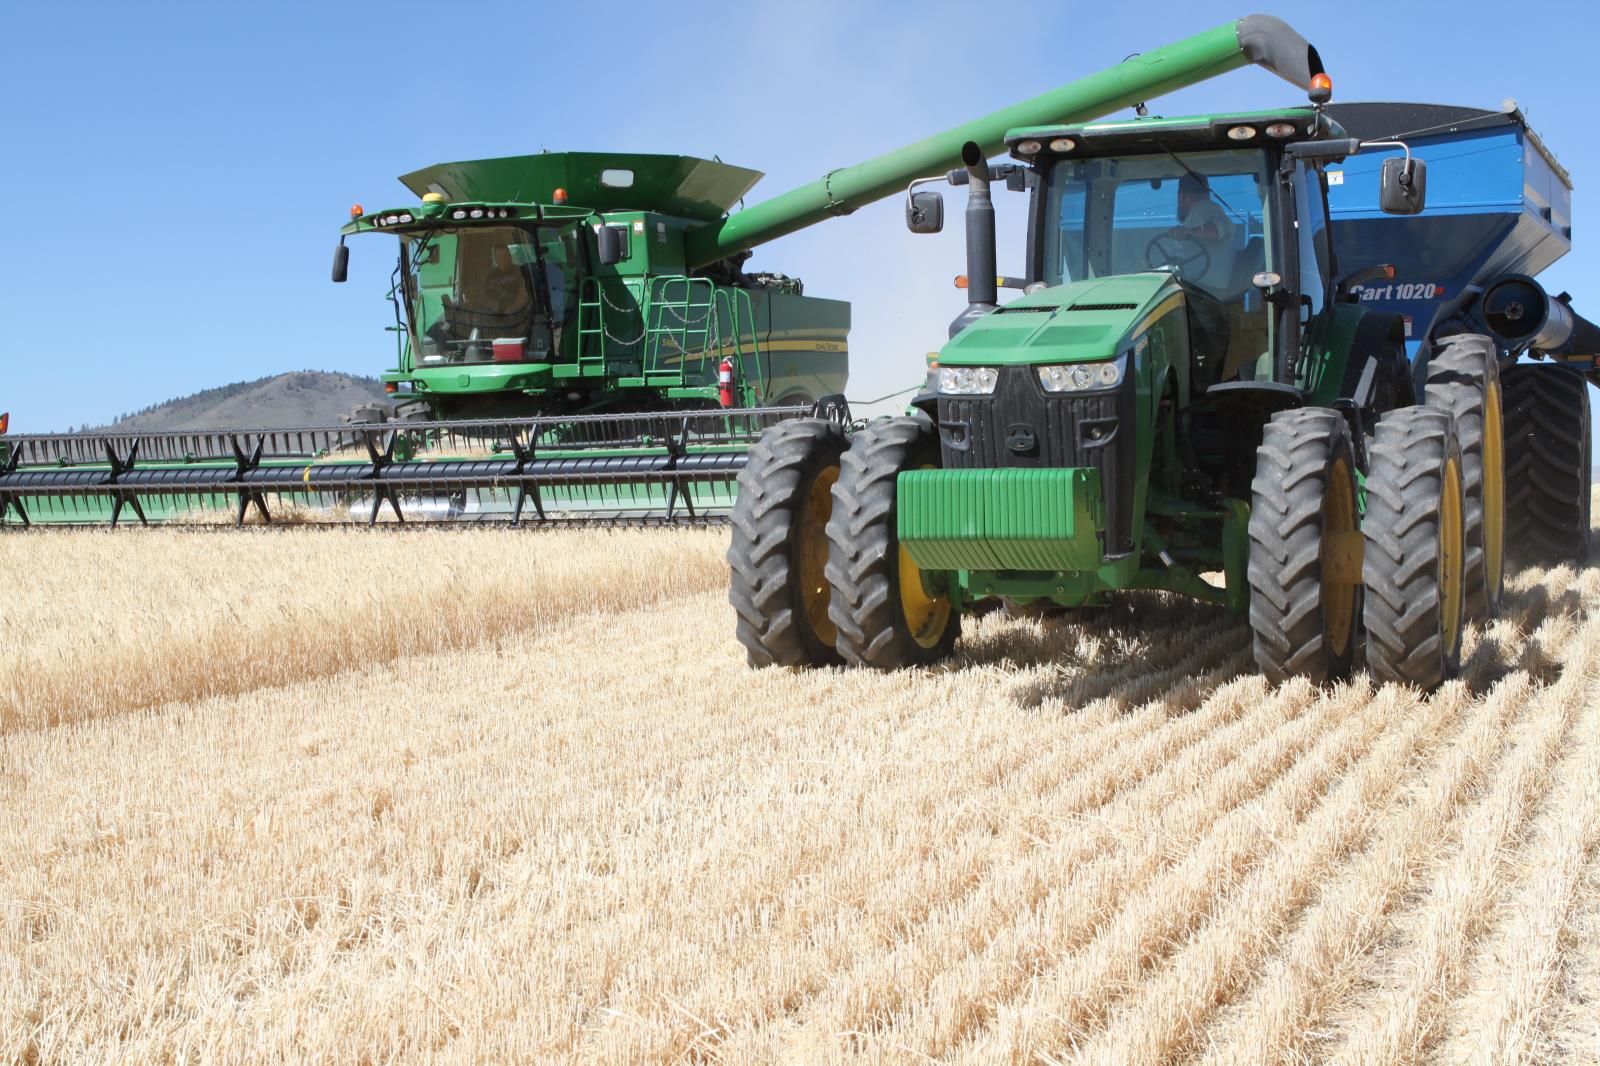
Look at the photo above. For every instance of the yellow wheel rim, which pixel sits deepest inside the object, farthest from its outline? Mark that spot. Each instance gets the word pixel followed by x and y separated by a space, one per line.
pixel 1339 577
pixel 813 554
pixel 1450 551
pixel 1494 492
pixel 926 616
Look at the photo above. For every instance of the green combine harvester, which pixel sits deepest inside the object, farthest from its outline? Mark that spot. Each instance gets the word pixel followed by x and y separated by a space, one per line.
pixel 578 339
pixel 1192 395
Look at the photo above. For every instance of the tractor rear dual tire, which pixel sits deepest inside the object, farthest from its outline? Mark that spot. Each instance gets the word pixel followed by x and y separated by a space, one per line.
pixel 1464 379
pixel 1305 593
pixel 779 544
pixel 1414 555
pixel 885 615
pixel 1548 471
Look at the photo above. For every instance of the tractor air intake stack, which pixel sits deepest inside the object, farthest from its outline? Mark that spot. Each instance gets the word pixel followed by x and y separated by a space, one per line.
pixel 983 293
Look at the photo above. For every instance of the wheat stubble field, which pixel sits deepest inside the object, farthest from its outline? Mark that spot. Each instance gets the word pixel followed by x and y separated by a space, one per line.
pixel 479 797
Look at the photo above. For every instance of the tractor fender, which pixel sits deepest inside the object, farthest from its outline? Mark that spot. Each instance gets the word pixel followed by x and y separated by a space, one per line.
pixel 1376 374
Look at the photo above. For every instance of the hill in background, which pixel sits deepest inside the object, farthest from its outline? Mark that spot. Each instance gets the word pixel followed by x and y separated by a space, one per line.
pixel 299 398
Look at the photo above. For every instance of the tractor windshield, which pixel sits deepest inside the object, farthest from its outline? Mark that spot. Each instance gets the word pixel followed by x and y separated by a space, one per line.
pixel 1203 215
pixel 486 294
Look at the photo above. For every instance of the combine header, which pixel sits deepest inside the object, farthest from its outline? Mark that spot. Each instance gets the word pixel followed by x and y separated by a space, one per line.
pixel 577 337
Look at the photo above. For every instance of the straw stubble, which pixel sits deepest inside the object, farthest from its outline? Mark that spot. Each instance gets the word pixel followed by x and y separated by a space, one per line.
pixel 347 797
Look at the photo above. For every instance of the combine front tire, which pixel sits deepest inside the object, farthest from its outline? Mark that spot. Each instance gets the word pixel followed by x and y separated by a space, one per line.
pixel 1305 594
pixel 1547 464
pixel 779 545
pixel 1463 378
pixel 885 614
pixel 1415 548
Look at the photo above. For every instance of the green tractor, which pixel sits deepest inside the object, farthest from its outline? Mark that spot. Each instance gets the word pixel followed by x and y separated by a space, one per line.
pixel 1185 397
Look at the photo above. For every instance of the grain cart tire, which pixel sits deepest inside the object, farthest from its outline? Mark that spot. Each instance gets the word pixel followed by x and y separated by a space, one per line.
pixel 779 544
pixel 1415 549
pixel 1305 550
pixel 1547 462
pixel 1463 378
pixel 885 616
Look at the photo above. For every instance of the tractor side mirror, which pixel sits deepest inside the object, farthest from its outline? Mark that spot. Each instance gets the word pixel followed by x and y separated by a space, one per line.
pixel 609 240
pixel 1403 186
pixel 341 262
pixel 925 212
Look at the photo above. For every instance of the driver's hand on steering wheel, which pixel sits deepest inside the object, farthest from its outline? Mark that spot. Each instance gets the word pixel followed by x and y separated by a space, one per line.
pixel 1176 231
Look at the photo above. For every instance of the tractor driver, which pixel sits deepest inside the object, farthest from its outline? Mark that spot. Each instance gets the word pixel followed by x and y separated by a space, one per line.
pixel 1202 221
pixel 1204 242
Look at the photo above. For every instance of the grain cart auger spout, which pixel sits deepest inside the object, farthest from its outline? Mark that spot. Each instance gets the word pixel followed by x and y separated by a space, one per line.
pixel 577 336
pixel 1210 371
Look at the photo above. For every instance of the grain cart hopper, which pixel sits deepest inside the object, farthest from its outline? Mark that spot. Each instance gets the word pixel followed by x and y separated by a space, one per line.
pixel 1186 386
pixel 1499 211
pixel 593 309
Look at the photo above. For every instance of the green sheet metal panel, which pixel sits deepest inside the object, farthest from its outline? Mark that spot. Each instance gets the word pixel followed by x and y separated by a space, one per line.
pixel 682 185
pixel 1007 519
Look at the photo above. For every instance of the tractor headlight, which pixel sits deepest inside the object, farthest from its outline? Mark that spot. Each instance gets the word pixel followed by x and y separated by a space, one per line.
pixel 967 380
pixel 1082 377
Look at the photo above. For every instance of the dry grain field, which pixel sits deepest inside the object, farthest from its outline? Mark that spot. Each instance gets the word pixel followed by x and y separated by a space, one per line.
pixel 487 797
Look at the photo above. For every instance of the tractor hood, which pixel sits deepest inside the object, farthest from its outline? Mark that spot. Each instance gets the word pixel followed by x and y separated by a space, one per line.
pixel 1080 321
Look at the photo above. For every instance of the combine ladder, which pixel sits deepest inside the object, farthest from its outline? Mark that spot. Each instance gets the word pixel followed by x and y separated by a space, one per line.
pixel 692 325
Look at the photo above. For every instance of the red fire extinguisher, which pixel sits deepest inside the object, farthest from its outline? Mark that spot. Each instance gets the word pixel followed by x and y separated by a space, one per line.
pixel 725 383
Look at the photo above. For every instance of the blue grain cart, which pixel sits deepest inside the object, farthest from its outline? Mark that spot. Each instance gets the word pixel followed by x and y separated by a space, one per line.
pixel 1498 212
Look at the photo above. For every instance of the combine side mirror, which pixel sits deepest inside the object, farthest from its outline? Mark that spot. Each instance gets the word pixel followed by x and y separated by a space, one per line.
pixel 925 212
pixel 1403 186
pixel 341 262
pixel 609 240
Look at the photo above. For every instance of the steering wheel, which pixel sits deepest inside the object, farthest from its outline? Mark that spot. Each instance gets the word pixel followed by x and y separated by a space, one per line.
pixel 1166 249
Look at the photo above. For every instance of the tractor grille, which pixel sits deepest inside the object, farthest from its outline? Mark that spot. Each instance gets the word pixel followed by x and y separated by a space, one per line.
pixel 1021 425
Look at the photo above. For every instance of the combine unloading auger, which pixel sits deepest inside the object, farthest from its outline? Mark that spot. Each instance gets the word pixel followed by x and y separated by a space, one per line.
pixel 538 295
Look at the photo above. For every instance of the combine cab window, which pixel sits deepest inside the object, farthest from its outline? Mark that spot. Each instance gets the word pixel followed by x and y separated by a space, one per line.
pixel 490 294
pixel 1201 215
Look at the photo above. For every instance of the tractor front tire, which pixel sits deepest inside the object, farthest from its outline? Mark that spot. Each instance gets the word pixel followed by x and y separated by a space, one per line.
pixel 1547 462
pixel 1415 549
pixel 1464 379
pixel 886 616
pixel 779 545
pixel 1305 529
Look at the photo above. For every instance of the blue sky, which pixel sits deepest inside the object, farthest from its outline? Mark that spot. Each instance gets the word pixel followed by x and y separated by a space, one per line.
pixel 178 172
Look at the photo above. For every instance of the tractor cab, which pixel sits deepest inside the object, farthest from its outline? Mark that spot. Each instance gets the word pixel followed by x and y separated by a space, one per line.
pixel 1222 206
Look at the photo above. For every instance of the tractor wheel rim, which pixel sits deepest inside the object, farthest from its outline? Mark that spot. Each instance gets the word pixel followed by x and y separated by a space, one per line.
pixel 1338 590
pixel 813 554
pixel 1450 552
pixel 926 615
pixel 1494 493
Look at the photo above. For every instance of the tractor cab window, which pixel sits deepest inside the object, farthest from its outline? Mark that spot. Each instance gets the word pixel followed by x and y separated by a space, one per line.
pixel 1200 215
pixel 1316 261
pixel 490 293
